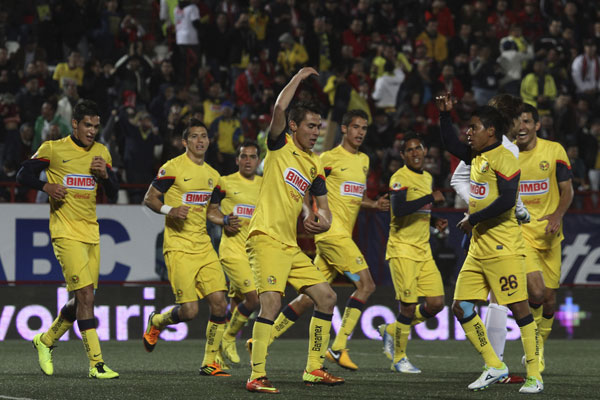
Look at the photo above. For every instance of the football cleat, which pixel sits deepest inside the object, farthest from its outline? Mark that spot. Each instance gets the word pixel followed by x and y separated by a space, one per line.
pixel 510 378
pixel 212 370
pixel 150 337
pixel 490 375
pixel 341 358
pixel 44 355
pixel 261 385
pixel 532 385
pixel 405 367
pixel 101 371
pixel 229 351
pixel 388 341
pixel 321 377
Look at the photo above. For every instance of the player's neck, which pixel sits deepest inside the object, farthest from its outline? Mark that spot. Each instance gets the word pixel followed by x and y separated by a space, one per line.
pixel 530 146
pixel 194 159
pixel 298 145
pixel 249 178
pixel 79 143
pixel 348 147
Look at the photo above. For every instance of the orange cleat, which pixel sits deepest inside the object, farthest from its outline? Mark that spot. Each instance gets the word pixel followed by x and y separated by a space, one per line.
pixel 212 370
pixel 321 377
pixel 150 337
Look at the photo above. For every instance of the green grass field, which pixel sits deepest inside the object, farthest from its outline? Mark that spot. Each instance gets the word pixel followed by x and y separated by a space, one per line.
pixel 171 372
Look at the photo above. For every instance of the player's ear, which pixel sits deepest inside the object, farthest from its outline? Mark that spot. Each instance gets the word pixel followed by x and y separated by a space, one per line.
pixel 74 124
pixel 344 129
pixel 293 126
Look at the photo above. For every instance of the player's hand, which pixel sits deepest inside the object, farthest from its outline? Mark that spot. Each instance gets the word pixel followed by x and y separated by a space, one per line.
pixel 553 225
pixel 523 217
pixel 98 167
pixel 445 102
pixel 438 197
pixel 233 225
pixel 314 223
pixel 54 190
pixel 441 224
pixel 180 212
pixel 464 224
pixel 383 203
pixel 306 72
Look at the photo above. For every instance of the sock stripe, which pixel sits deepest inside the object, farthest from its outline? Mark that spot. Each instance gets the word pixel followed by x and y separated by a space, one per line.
pixel 243 310
pixel 175 314
pixel 353 302
pixel 217 320
pixel 548 316
pixel 403 319
pixel 228 316
pixel 467 319
pixel 535 305
pixel 264 321
pixel 525 320
pixel 86 324
pixel 323 316
pixel 290 313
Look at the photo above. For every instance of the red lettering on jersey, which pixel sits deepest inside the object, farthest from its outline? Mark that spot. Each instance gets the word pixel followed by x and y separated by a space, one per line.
pixel 479 190
pixel 537 187
pixel 295 179
pixel 196 198
pixel 243 210
pixel 82 182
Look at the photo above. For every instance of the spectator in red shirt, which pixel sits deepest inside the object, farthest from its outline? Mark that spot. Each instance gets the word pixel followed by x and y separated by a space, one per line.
pixel 354 37
pixel 249 87
pixel 501 19
pixel 450 83
pixel 441 13
pixel 530 19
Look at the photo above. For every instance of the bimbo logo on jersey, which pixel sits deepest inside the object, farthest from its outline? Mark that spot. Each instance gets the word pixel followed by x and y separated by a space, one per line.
pixel 243 210
pixel 479 191
pixel 82 182
pixel 354 189
pixel 530 188
pixel 295 179
pixel 196 198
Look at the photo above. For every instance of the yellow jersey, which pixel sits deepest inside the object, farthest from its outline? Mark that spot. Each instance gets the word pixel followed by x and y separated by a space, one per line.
pixel 184 182
pixel 74 217
pixel 409 234
pixel 542 168
pixel 346 175
pixel 501 235
pixel 289 174
pixel 237 195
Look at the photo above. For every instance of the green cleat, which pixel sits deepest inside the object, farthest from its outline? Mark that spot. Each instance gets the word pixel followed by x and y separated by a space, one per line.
pixel 532 386
pixel 101 371
pixel 44 355
pixel 229 351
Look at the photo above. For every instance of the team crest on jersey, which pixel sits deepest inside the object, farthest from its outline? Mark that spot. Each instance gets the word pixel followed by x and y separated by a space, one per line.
pixel 479 191
pixel 196 198
pixel 396 186
pixel 75 279
pixel 359 260
pixel 313 173
pixel 535 187
pixel 295 179
pixel 365 170
pixel 407 293
pixel 243 210
pixel 179 293
pixel 210 183
pixel 485 167
pixel 544 165
pixel 81 182
pixel 162 172
pixel 272 280
pixel 247 282
pixel 354 189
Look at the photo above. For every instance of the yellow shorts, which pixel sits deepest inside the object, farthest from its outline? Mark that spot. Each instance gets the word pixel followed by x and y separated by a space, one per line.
pixel 413 279
pixel 504 276
pixel 194 275
pixel 339 255
pixel 274 263
pixel 80 262
pixel 531 264
pixel 548 261
pixel 241 278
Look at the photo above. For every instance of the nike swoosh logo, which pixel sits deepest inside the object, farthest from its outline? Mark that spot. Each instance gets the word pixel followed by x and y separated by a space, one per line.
pixel 65 161
pixel 510 294
pixel 335 356
pixel 294 153
pixel 343 169
pixel 97 355
pixel 255 364
pixel 237 192
pixel 186 179
pixel 528 361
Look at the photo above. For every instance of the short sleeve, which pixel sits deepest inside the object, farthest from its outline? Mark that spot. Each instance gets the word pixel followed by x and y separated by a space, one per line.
pixel 326 162
pixel 506 166
pixel 395 184
pixel 165 178
pixel 44 152
pixel 563 165
pixel 277 143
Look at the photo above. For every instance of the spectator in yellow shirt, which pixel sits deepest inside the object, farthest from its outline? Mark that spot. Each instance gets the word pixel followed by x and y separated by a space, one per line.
pixel 69 71
pixel 292 55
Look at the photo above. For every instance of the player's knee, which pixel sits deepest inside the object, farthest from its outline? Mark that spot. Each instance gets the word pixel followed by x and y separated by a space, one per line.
pixel 251 301
pixel 435 305
pixel 408 309
pixel 326 300
pixel 302 304
pixel 188 311
pixel 536 295
pixel 368 287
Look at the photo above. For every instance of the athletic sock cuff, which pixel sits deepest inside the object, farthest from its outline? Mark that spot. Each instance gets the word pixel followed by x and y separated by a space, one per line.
pixel 467 319
pixel 264 321
pixel 424 311
pixel 403 319
pixel 323 316
pixel 535 305
pixel 86 324
pixel 290 313
pixel 175 314
pixel 548 316
pixel 217 320
pixel 67 314
pixel 243 310
pixel 353 302
pixel 525 320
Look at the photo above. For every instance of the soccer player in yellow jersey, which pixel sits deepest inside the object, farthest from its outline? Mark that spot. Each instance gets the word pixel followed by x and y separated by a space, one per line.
pixel 186 182
pixel 292 171
pixel 346 171
pixel 547 192
pixel 74 166
pixel 496 257
pixel 237 197
pixel 412 267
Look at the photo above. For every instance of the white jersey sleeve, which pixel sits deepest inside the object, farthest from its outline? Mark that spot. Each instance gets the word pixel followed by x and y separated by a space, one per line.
pixel 520 210
pixel 461 182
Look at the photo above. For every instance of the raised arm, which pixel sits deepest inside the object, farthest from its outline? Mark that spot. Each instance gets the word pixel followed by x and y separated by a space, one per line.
pixel 445 104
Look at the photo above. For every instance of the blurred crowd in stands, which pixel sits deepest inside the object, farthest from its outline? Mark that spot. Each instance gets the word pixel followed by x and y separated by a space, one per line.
pixel 151 65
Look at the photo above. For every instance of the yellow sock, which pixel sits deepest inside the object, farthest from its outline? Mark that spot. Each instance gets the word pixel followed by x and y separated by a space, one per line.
pixel 90 340
pixel 545 327
pixel 286 318
pixel 214 334
pixel 477 335
pixel 318 340
pixel 260 343
pixel 57 329
pixel 236 323
pixel 530 339
pixel 349 320
pixel 160 321
pixel 536 311
pixel 402 330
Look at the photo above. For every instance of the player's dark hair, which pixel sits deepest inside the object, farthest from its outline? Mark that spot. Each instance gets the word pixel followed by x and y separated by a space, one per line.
pixel 410 136
pixel 491 117
pixel 299 110
pixel 507 104
pixel 85 107
pixel 351 114
pixel 193 123
pixel 249 143
pixel 528 108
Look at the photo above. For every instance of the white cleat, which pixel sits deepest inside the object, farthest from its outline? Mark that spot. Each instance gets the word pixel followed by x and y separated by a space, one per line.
pixel 388 341
pixel 405 367
pixel 490 375
pixel 532 386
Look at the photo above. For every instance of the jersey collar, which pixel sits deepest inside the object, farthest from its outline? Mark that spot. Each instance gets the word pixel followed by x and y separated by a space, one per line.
pixel 491 146
pixel 416 171
pixel 78 142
